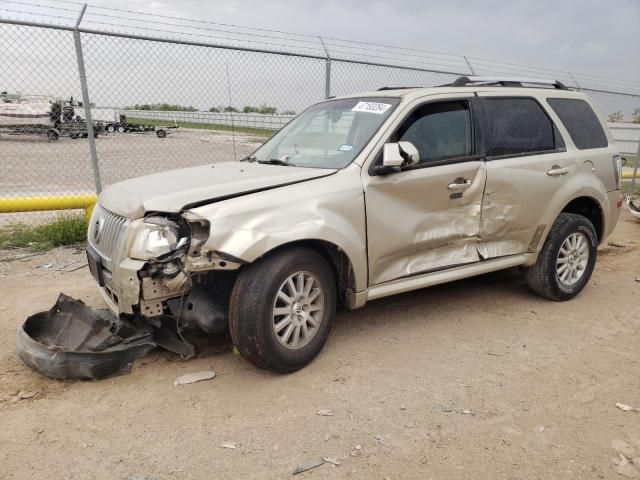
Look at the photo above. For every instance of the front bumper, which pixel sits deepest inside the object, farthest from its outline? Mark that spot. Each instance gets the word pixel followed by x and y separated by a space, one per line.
pixel 119 286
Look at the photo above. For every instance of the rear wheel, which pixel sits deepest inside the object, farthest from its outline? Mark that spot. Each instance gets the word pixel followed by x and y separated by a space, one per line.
pixel 282 309
pixel 52 135
pixel 567 258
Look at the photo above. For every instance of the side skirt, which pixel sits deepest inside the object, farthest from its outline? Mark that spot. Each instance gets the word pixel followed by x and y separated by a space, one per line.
pixel 436 278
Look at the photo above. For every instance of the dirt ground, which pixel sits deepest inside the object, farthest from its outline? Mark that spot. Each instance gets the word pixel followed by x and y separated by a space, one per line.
pixel 478 379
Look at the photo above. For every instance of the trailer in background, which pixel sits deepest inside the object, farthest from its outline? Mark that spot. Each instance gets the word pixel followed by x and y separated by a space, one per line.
pixel 42 115
pixel 123 126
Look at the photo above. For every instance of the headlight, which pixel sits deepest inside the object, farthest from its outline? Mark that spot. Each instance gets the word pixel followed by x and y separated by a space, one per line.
pixel 156 237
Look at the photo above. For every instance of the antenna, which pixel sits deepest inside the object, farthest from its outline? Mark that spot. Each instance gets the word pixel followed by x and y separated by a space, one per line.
pixel 233 128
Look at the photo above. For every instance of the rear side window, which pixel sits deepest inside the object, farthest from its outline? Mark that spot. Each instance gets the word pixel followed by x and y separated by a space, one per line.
pixel 517 126
pixel 580 121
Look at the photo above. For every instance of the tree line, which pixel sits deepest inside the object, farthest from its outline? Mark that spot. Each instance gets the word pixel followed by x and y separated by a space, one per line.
pixel 619 117
pixel 170 107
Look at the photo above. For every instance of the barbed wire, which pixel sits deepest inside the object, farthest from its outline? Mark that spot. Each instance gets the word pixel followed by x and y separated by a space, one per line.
pixel 292 41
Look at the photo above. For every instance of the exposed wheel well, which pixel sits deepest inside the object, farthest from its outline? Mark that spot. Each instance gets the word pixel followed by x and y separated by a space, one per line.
pixel 588 207
pixel 336 259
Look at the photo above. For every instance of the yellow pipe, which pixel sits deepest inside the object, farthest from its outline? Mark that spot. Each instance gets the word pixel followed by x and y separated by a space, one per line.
pixel 38 204
pixel 629 175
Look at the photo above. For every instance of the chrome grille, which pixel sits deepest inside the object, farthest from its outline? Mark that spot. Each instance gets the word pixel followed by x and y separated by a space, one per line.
pixel 105 230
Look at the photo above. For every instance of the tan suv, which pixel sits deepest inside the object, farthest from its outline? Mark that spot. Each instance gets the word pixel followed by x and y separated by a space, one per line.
pixel 358 198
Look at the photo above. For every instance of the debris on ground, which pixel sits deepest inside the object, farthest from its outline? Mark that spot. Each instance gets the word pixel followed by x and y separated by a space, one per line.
pixel 194 377
pixel 627 408
pixel 445 408
pixel 325 412
pixel 623 448
pixel 74 341
pixel 624 467
pixel 333 461
pixel 467 412
pixel 616 244
pixel 308 466
pixel 403 407
pixel 26 395
pixel 228 445
pixel 380 440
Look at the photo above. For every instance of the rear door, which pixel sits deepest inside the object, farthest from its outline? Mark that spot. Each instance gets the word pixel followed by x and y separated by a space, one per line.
pixel 427 216
pixel 527 163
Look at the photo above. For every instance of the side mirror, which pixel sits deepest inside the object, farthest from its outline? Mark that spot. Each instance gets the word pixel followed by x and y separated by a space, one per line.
pixel 409 151
pixel 395 155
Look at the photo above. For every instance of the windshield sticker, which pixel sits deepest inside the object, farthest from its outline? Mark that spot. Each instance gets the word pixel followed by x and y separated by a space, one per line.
pixel 345 148
pixel 371 107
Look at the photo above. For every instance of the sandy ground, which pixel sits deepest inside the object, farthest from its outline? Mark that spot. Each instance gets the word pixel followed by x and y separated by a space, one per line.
pixel 478 379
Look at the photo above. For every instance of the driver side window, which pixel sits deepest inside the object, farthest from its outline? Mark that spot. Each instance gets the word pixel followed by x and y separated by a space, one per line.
pixel 439 131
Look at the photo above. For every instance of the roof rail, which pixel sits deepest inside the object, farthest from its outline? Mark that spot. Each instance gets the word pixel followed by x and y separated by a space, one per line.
pixel 505 82
pixel 382 89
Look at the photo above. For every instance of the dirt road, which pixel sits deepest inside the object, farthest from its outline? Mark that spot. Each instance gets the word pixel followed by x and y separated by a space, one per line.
pixel 478 379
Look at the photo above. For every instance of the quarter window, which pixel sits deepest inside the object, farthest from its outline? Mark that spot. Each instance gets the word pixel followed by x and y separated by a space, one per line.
pixel 517 126
pixel 439 131
pixel 580 121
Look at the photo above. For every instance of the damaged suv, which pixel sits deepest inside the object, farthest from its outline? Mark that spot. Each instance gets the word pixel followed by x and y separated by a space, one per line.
pixel 358 198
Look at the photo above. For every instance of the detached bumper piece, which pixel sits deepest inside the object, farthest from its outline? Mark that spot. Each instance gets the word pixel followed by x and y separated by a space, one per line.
pixel 74 341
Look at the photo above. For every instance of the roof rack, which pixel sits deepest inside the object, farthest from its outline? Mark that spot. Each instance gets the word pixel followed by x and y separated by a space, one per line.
pixel 382 89
pixel 505 82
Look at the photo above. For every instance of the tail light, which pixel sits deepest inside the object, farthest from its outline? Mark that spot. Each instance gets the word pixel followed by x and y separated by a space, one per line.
pixel 617 170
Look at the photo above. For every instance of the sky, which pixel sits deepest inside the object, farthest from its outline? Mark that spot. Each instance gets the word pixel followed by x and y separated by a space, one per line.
pixel 587 36
pixel 595 38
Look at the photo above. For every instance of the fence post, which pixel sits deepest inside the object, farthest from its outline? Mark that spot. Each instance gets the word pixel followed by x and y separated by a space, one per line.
pixel 86 102
pixel 469 65
pixel 327 70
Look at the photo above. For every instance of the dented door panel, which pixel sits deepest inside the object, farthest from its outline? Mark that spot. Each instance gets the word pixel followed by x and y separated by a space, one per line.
pixel 517 201
pixel 415 223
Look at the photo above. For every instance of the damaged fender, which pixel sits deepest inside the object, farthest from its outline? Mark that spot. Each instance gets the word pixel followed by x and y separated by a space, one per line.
pixel 329 209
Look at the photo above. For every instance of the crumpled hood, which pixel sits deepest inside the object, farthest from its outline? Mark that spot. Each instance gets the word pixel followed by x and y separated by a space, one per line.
pixel 174 190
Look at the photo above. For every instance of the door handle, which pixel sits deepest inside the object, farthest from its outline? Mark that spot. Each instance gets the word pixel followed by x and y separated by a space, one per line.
pixel 557 170
pixel 458 185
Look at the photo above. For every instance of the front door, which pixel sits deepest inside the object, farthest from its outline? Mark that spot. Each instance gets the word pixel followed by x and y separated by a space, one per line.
pixel 427 216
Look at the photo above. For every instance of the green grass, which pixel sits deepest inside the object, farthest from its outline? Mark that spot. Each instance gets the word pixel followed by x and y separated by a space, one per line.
pixel 66 229
pixel 259 132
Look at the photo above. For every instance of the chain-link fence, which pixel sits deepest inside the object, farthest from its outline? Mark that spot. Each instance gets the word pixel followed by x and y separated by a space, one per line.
pixel 85 106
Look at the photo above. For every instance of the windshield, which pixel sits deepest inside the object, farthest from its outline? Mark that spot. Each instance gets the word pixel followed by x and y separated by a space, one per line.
pixel 327 135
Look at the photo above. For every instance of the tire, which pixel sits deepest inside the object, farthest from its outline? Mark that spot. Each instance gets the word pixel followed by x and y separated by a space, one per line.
pixel 254 299
pixel 562 274
pixel 111 128
pixel 121 129
pixel 52 136
pixel 161 133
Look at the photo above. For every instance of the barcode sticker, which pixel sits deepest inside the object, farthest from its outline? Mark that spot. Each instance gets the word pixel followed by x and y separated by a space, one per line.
pixel 371 107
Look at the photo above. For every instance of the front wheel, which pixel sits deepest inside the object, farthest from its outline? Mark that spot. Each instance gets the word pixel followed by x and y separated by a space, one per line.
pixel 567 258
pixel 282 308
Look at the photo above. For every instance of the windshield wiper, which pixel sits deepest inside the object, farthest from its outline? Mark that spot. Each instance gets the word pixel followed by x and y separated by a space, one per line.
pixel 250 158
pixel 277 161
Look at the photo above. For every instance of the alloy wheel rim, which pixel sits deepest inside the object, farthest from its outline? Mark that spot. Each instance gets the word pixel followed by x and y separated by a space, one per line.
pixel 573 258
pixel 298 310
